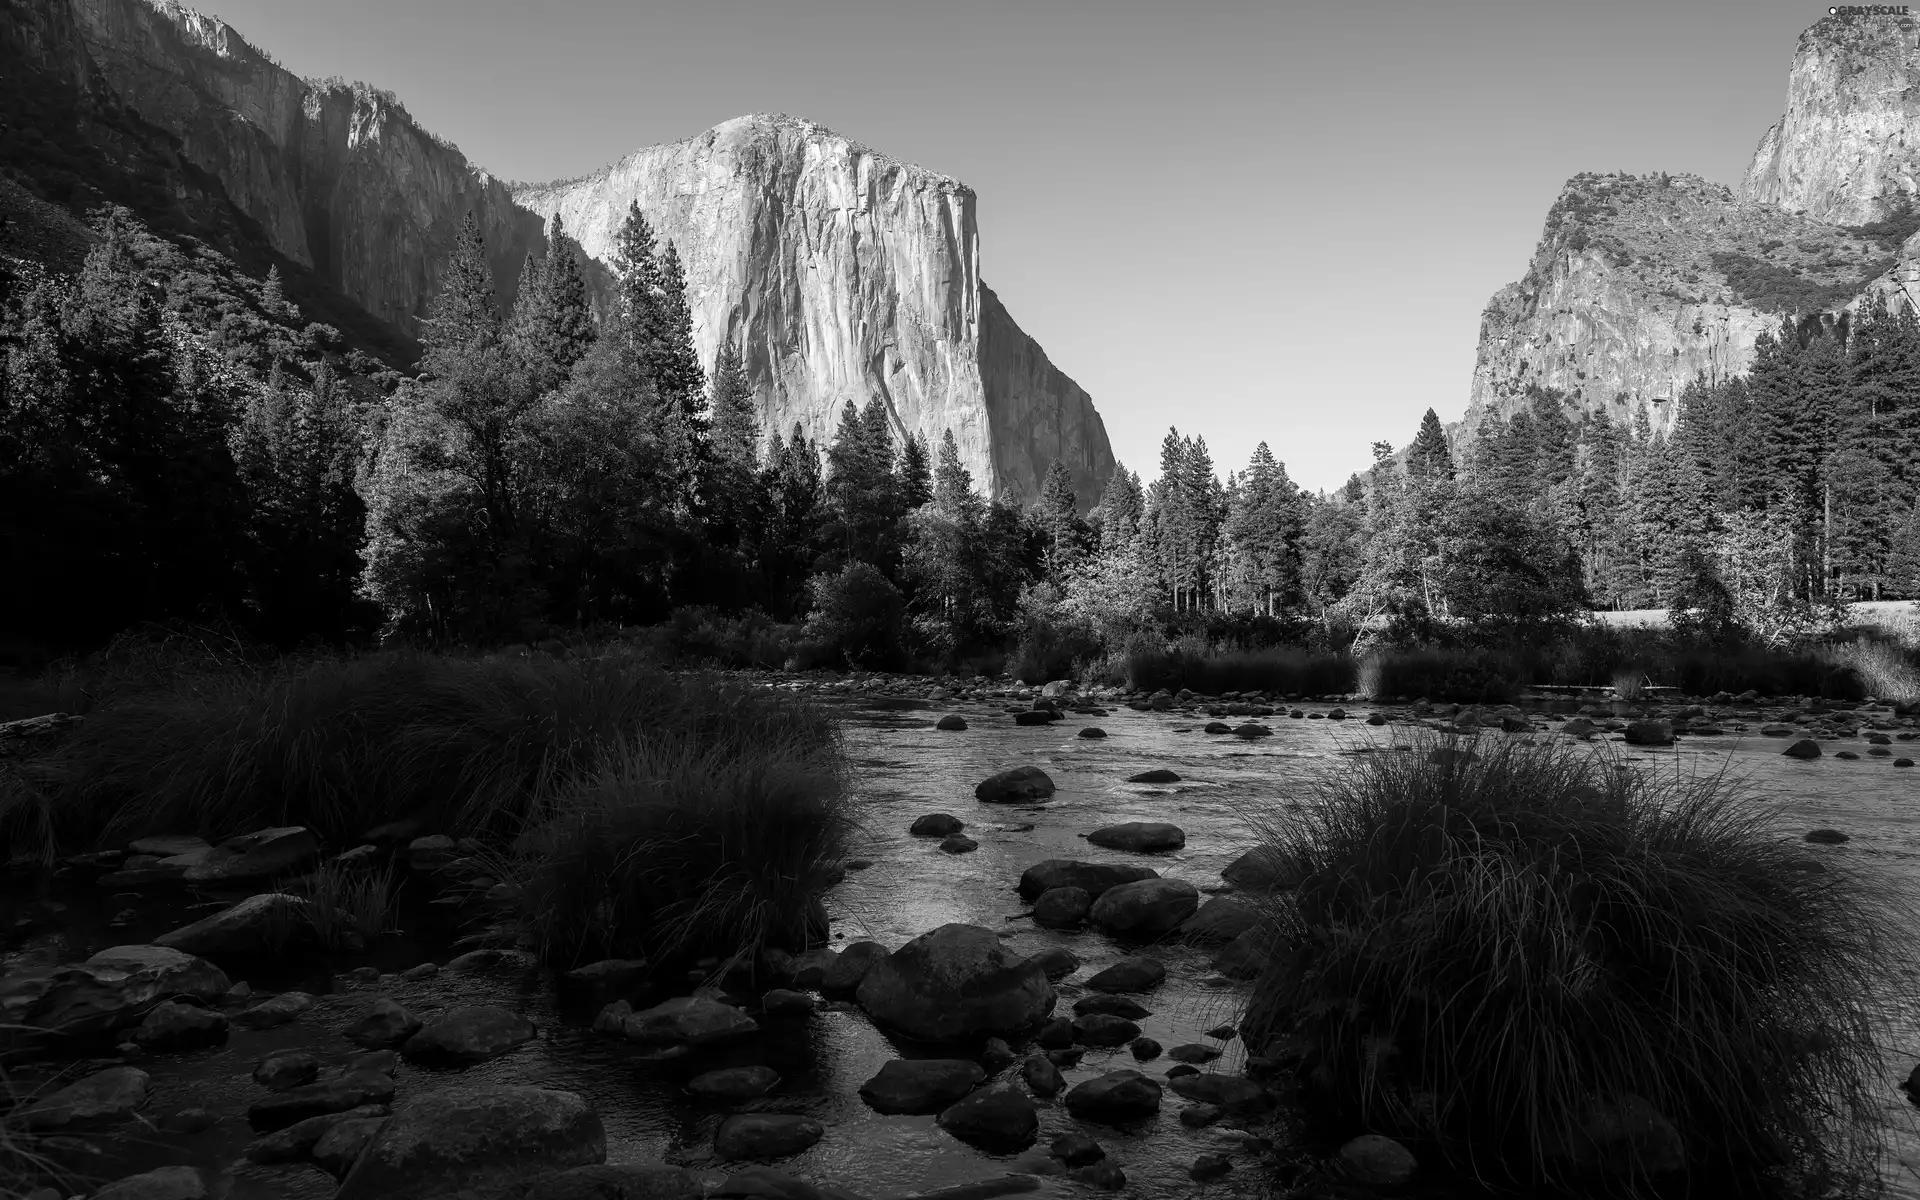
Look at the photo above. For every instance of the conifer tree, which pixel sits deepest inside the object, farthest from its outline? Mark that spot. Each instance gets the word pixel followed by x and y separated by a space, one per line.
pixel 464 319
pixel 674 365
pixel 552 327
pixel 916 472
pixel 732 465
pixel 1058 514
pixel 1430 457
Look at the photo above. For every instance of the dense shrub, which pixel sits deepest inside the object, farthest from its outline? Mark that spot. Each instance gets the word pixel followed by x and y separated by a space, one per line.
pixel 1210 670
pixel 1485 944
pixel 858 616
pixel 707 637
pixel 1468 675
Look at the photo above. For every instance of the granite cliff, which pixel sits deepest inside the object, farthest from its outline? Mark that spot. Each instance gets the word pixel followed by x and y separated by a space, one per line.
pixel 1641 284
pixel 839 272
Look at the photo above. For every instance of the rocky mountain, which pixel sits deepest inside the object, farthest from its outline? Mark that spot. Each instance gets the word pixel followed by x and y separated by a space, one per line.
pixel 1641 284
pixel 840 273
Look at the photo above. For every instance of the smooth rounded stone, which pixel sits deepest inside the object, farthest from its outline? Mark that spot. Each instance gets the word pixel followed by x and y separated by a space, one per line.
pixel 188 1121
pixel 937 825
pixel 419 971
pixel 1115 1098
pixel 1062 908
pixel 165 1183
pixel 1873 752
pixel 1092 878
pixel 1068 1057
pixel 296 1142
pixel 265 924
pixel 340 1147
pixel 1245 956
pixel 1140 837
pixel 1057 961
pixel 1093 732
pixel 168 845
pixel 472 1033
pixel 1648 733
pixel 283 1009
pixel 172 1025
pixel 604 1181
pixel 1045 1079
pixel 1136 974
pixel 1220 920
pixel 430 852
pixel 996 1054
pixel 384 1023
pixel 959 843
pixel 1826 837
pixel 1193 1052
pixel 1225 1033
pixel 782 1002
pixel 1182 1069
pixel 998 1118
pixel 1377 1161
pixel 1150 906
pixel 1014 786
pixel 920 1085
pixel 952 722
pixel 492 958
pixel 686 1021
pixel 1903 762
pixel 851 965
pixel 765 1135
pixel 1261 869
pixel 1157 775
pixel 1209 1166
pixel 1251 730
pixel 1804 748
pixel 733 1084
pixel 1056 1034
pixel 108 992
pixel 1077 1149
pixel 1199 1116
pixel 263 854
pixel 286 1069
pixel 608 973
pixel 101 1097
pixel 479 1142
pixel 1144 1048
pixel 957 981
pixel 1235 1093
pixel 1112 1005
pixel 1038 716
pixel 1847 755
pixel 336 1095
pixel 1104 1029
pixel 1217 727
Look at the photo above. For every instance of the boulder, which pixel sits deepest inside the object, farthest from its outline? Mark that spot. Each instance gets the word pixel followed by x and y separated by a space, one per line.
pixel 959 844
pixel 1141 837
pixel 851 965
pixel 1014 786
pixel 1039 716
pixel 784 1002
pixel 1104 1030
pixel 1042 1076
pixel 952 722
pixel 171 1025
pixel 604 1181
pixel 937 825
pixel 100 1098
pixel 1118 1006
pixel 295 1143
pixel 1261 869
pixel 1251 730
pixel 920 1085
pixel 265 924
pixel 165 1183
pixel 1150 906
pixel 1220 919
pixel 1157 775
pixel 1234 1093
pixel 1135 974
pixel 687 1021
pixel 956 981
pixel 1118 1097
pixel 1193 1052
pixel 340 1146
pixel 349 1090
pixel 1245 956
pixel 1217 727
pixel 108 992
pixel 999 1118
pixel 1057 961
pixel 732 1085
pixel 607 975
pixel 482 1143
pixel 286 1069
pixel 1062 908
pixel 1804 748
pixel 1093 878
pixel 471 1033
pixel 1093 732
pixel 263 854
pixel 385 1023
pixel 1377 1161
pixel 1076 1149
pixel 275 1010
pixel 765 1135
pixel 1626 1137
pixel 1648 733
pixel 168 845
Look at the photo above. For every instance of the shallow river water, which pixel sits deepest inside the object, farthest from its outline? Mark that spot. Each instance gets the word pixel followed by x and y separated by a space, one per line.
pixel 905 768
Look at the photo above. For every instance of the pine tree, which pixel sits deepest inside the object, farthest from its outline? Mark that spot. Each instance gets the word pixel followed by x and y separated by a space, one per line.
pixel 1265 525
pixel 1058 514
pixel 552 327
pixel 636 274
pixel 916 472
pixel 1430 457
pixel 731 481
pixel 953 490
pixel 464 319
pixel 674 365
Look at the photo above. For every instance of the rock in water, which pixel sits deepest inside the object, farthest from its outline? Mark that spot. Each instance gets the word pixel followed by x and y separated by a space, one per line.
pixel 851 965
pixel 469 1034
pixel 998 1118
pixel 1136 974
pixel 734 1084
pixel 1220 919
pixel 108 992
pixel 263 854
pixel 1804 748
pixel 952 723
pixel 1142 837
pixel 479 1142
pixel 1151 906
pixel 264 924
pixel 164 1183
pixel 920 1085
pixel 1093 878
pixel 687 1020
pixel 1061 908
pixel 765 1135
pixel 956 981
pixel 1157 775
pixel 1115 1098
pixel 937 825
pixel 1014 786
pixel 172 1026
pixel 1649 733
pixel 1377 1161
pixel 99 1098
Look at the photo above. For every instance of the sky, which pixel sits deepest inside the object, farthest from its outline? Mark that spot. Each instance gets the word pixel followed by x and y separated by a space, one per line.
pixel 1270 222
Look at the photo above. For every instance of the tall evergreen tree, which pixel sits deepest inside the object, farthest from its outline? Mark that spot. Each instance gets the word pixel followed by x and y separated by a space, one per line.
pixel 731 483
pixel 916 472
pixel 1058 514
pixel 552 326
pixel 1430 457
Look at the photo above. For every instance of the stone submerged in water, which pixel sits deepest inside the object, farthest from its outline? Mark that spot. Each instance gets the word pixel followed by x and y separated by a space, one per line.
pixel 999 1118
pixel 1093 732
pixel 259 925
pixel 1062 908
pixel 1057 961
pixel 336 1095
pixel 1093 878
pixel 1804 748
pixel 101 1097
pixel 108 992
pixel 1149 906
pixel 1106 1002
pixel 1157 775
pixel 734 1084
pixel 481 1143
pixel 851 965
pixel 937 825
pixel 1234 1093
pixel 958 980
pixel 1141 837
pixel 1104 1030
pixel 920 1085
pixel 173 1026
pixel 1014 786
pixel 959 843
pixel 1220 920
pixel 469 1034
pixel 952 722
pixel 684 1020
pixel 1115 1098
pixel 1135 974
pixel 263 854
pixel 751 1136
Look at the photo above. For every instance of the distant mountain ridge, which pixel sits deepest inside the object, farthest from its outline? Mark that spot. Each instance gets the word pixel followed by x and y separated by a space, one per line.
pixel 1641 284
pixel 841 273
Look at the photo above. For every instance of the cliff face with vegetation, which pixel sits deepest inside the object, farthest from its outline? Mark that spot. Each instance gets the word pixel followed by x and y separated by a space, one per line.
pixel 1641 284
pixel 840 273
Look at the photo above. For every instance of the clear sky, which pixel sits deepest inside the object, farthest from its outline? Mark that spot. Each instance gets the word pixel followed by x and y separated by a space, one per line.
pixel 1256 221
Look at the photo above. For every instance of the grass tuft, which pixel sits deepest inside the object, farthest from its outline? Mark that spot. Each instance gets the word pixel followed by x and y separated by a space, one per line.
pixel 349 907
pixel 1485 944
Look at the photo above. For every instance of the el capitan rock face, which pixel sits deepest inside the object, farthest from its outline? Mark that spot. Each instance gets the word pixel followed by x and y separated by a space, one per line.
pixel 839 272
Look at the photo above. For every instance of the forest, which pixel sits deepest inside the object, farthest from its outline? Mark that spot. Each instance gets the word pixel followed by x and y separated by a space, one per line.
pixel 179 443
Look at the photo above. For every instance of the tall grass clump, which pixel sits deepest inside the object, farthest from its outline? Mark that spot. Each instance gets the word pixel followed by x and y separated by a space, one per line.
pixel 475 746
pixel 1490 950
pixel 675 847
pixel 1471 674
pixel 349 906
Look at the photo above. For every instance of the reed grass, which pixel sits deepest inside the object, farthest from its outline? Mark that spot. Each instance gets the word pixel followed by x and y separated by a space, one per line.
pixel 350 906
pixel 1484 945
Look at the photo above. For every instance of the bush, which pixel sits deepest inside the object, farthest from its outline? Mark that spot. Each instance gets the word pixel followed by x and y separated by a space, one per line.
pixel 1468 675
pixel 706 637
pixel 858 616
pixel 1486 944
pixel 1211 669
